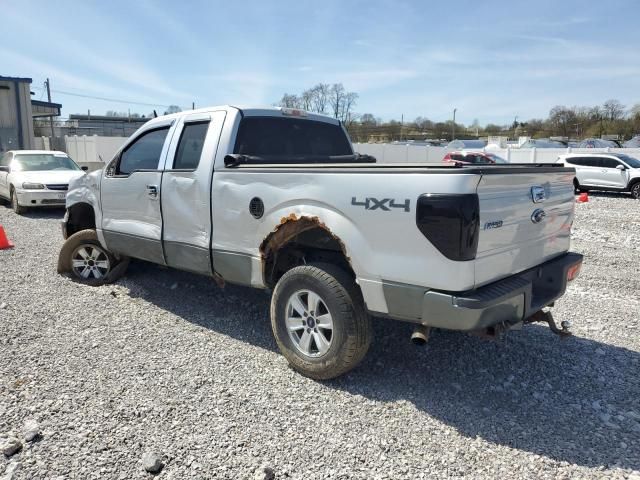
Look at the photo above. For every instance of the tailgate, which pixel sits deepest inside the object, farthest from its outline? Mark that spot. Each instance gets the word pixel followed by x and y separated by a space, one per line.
pixel 517 233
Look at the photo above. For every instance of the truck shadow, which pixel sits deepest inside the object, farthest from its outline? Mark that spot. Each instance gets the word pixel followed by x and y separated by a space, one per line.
pixel 576 401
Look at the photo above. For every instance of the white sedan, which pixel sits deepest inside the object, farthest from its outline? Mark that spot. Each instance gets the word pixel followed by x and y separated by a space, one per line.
pixel 36 178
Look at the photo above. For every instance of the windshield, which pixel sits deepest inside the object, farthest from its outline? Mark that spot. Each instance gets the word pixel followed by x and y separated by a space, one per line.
pixel 37 162
pixel 496 158
pixel 632 162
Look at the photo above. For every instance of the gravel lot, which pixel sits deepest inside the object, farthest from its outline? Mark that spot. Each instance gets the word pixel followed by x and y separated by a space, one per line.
pixel 164 362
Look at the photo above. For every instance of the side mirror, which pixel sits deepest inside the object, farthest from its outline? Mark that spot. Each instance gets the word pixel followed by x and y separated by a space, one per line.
pixel 5 168
pixel 85 168
pixel 620 167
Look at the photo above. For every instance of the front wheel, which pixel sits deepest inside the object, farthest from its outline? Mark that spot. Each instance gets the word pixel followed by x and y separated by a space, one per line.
pixel 19 209
pixel 635 190
pixel 88 261
pixel 319 321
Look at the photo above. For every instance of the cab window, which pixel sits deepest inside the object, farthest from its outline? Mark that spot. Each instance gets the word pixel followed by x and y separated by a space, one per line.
pixel 286 137
pixel 190 146
pixel 143 153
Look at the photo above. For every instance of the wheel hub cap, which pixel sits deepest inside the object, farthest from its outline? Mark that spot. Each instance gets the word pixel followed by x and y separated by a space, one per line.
pixel 90 261
pixel 309 323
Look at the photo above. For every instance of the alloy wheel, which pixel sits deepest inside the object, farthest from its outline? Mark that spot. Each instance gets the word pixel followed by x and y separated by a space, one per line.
pixel 90 261
pixel 309 323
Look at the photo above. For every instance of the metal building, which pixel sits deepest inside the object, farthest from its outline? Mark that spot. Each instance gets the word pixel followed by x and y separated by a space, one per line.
pixel 17 112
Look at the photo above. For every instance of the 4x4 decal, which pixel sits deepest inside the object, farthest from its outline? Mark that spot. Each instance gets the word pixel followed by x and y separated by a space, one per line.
pixel 386 204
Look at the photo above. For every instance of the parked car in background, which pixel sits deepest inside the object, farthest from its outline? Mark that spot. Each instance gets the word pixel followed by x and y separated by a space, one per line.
pixel 465 157
pixel 633 143
pixel 462 144
pixel 598 143
pixel 600 171
pixel 543 143
pixel 36 178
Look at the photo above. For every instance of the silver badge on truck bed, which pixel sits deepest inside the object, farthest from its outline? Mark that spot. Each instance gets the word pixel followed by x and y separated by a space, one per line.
pixel 537 194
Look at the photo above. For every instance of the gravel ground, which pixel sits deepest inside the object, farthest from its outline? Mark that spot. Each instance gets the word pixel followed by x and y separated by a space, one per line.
pixel 164 369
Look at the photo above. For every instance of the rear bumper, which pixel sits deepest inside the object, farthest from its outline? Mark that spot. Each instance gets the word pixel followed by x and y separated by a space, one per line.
pixel 507 301
pixel 41 198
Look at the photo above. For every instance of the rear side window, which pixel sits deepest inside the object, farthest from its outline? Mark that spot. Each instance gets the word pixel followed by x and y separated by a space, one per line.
pixel 589 161
pixel 143 153
pixel 274 136
pixel 456 156
pixel 578 161
pixel 190 146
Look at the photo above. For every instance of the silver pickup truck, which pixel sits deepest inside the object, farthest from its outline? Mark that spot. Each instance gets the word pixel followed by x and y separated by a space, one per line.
pixel 277 199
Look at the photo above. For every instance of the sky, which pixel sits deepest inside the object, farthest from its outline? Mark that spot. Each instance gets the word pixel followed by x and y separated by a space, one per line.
pixel 492 61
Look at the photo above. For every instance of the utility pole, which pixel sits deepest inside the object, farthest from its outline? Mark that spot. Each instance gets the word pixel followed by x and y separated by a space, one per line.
pixel 193 105
pixel 47 83
pixel 401 125
pixel 453 125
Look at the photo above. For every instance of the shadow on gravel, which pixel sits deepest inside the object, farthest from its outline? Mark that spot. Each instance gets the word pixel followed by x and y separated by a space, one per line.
pixel 37 213
pixel 604 194
pixel 565 400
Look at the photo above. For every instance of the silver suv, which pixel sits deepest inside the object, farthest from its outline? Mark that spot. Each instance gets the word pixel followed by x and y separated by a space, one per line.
pixel 604 171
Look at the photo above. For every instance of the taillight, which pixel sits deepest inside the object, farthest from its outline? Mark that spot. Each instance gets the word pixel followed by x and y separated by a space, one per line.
pixel 450 223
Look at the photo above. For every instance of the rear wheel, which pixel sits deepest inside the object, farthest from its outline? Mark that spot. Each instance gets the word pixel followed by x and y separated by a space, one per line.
pixel 19 209
pixel 319 321
pixel 88 261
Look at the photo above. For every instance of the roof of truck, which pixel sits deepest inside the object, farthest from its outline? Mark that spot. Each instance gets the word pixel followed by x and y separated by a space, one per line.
pixel 256 111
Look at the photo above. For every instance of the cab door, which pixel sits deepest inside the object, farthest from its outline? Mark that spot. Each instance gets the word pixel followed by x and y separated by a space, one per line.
pixel 130 195
pixel 186 192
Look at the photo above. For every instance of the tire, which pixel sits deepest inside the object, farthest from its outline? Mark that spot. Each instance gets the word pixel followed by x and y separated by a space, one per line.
pixel 311 347
pixel 635 190
pixel 577 188
pixel 14 203
pixel 97 266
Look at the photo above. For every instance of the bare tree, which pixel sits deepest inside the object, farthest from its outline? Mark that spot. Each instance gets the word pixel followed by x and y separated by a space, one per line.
pixel 306 99
pixel 613 109
pixel 368 119
pixel 347 115
pixel 336 98
pixel 562 119
pixel 320 97
pixel 423 123
pixel 173 109
pixel 289 101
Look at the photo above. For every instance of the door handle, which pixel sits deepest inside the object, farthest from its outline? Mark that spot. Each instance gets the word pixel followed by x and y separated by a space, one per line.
pixel 152 191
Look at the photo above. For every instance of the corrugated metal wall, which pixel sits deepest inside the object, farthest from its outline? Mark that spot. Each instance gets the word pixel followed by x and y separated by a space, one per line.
pixel 16 124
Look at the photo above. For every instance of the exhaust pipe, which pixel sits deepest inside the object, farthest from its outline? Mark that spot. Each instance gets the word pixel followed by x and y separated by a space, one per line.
pixel 420 335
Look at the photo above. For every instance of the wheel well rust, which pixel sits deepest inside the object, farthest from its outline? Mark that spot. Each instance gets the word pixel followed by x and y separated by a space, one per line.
pixel 297 239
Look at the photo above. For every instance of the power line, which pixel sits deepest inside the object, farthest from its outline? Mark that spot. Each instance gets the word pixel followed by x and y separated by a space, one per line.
pixel 61 92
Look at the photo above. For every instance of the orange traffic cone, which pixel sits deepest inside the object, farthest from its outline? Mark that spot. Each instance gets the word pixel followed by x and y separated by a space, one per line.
pixel 583 198
pixel 4 241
